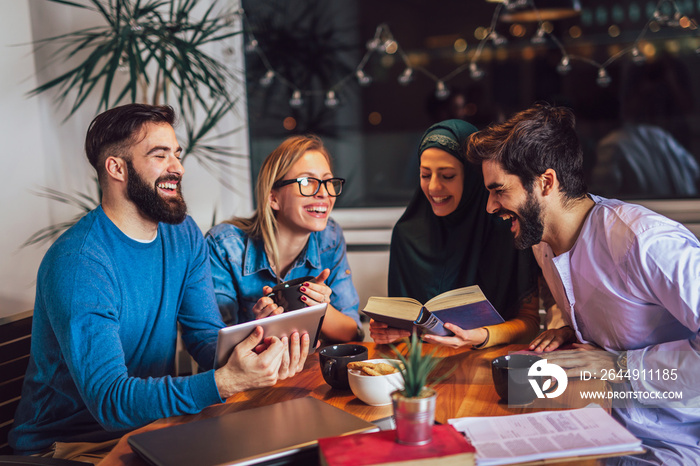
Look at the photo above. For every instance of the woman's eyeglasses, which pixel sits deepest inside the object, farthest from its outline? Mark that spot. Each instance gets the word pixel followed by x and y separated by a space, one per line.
pixel 310 186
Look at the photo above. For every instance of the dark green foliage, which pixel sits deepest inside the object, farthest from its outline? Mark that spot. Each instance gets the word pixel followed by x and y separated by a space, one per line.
pixel 417 366
pixel 155 51
pixel 156 44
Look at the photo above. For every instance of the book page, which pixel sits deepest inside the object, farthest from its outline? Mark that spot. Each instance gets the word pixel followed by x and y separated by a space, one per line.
pixel 400 308
pixel 454 298
pixel 544 435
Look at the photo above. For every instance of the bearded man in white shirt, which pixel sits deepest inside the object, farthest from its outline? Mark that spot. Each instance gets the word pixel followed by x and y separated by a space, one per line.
pixel 626 279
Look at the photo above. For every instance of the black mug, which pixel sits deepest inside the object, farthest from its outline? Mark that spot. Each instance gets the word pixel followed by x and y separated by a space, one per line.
pixel 288 295
pixel 510 377
pixel 334 363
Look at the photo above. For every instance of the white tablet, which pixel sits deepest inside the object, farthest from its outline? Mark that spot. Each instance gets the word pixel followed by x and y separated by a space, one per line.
pixel 306 320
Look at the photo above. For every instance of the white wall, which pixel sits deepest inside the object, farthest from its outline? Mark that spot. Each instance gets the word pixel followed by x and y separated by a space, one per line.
pixel 368 235
pixel 40 150
pixel 21 213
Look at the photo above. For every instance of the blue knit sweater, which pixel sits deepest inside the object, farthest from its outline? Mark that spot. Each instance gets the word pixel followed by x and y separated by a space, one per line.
pixel 105 331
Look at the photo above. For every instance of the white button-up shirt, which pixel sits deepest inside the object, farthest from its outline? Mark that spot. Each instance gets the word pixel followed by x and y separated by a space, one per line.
pixel 631 282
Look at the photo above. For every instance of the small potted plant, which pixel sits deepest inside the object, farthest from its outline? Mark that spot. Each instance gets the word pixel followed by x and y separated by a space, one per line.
pixel 414 406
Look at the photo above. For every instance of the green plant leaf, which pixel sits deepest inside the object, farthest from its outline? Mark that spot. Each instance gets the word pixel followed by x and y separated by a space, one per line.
pixel 161 42
pixel 84 202
pixel 66 2
pixel 137 34
pixel 219 161
pixel 417 366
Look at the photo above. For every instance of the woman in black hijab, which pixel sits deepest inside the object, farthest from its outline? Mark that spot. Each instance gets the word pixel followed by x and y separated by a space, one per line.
pixel 445 240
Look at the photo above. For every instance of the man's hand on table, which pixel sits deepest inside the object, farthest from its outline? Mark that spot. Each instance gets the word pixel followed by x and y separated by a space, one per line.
pixel 549 340
pixel 584 357
pixel 258 362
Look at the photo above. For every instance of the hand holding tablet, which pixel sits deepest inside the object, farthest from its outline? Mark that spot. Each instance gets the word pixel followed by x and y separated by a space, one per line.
pixel 306 320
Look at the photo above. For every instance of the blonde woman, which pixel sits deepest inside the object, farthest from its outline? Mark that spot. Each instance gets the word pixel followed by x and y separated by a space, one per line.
pixel 291 235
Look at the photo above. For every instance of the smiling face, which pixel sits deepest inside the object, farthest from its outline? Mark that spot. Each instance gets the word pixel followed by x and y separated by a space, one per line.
pixel 298 213
pixel 442 180
pixel 154 175
pixel 511 201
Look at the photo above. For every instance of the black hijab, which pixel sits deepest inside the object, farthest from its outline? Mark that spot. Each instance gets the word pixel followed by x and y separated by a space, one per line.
pixel 431 254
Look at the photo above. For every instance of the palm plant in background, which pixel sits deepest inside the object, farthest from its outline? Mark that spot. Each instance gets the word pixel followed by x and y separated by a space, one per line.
pixel 151 51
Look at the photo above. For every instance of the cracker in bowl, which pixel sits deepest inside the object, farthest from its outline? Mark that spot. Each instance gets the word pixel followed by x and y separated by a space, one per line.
pixel 373 368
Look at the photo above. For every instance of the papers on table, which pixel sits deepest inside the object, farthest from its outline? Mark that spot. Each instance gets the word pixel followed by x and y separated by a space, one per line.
pixel 545 435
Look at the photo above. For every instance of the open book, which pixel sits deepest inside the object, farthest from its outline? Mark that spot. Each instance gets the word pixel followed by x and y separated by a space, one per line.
pixel 585 433
pixel 465 307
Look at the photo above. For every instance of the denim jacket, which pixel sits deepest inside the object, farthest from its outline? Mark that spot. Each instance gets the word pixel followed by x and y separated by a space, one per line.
pixel 240 268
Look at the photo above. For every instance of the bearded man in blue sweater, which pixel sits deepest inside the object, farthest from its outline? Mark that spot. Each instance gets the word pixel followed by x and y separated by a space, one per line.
pixel 110 293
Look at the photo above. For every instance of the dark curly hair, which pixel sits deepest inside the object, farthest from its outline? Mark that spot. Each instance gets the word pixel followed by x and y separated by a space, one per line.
pixel 113 131
pixel 532 141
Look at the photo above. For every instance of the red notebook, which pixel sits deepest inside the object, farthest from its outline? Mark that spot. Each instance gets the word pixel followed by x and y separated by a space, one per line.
pixel 381 448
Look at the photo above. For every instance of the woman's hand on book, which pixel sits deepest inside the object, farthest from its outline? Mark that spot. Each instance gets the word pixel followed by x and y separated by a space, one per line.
pixel 382 334
pixel 473 337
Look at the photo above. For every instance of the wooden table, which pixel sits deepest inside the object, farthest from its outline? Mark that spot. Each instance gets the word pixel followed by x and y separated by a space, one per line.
pixel 468 391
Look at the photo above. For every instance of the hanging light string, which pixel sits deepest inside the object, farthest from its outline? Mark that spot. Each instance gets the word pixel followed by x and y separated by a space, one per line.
pixel 383 42
pixel 564 66
pixel 603 79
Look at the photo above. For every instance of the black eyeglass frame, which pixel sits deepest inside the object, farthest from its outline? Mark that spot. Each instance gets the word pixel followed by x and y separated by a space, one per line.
pixel 282 183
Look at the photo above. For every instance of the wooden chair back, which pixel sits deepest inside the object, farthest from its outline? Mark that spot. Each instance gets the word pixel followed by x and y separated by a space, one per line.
pixel 15 338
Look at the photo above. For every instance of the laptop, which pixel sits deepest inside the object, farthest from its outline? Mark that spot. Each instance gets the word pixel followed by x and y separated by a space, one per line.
pixel 247 437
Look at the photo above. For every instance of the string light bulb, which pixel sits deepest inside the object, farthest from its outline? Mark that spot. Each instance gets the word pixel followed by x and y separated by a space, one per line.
pixel 513 4
pixel 676 21
pixel 564 66
pixel 406 76
pixel 296 101
pixel 603 78
pixel 539 38
pixel 362 78
pixel 266 80
pixel 251 46
pixel 384 42
pixel 441 92
pixel 497 39
pixel 373 44
pixel 390 47
pixel 637 56
pixel 331 100
pixel 666 20
pixel 475 72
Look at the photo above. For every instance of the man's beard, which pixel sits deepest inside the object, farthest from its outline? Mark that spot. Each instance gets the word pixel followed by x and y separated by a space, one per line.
pixel 150 202
pixel 530 221
pixel 531 225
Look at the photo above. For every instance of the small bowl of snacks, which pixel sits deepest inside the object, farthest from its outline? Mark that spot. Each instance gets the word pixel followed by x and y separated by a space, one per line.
pixel 373 380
